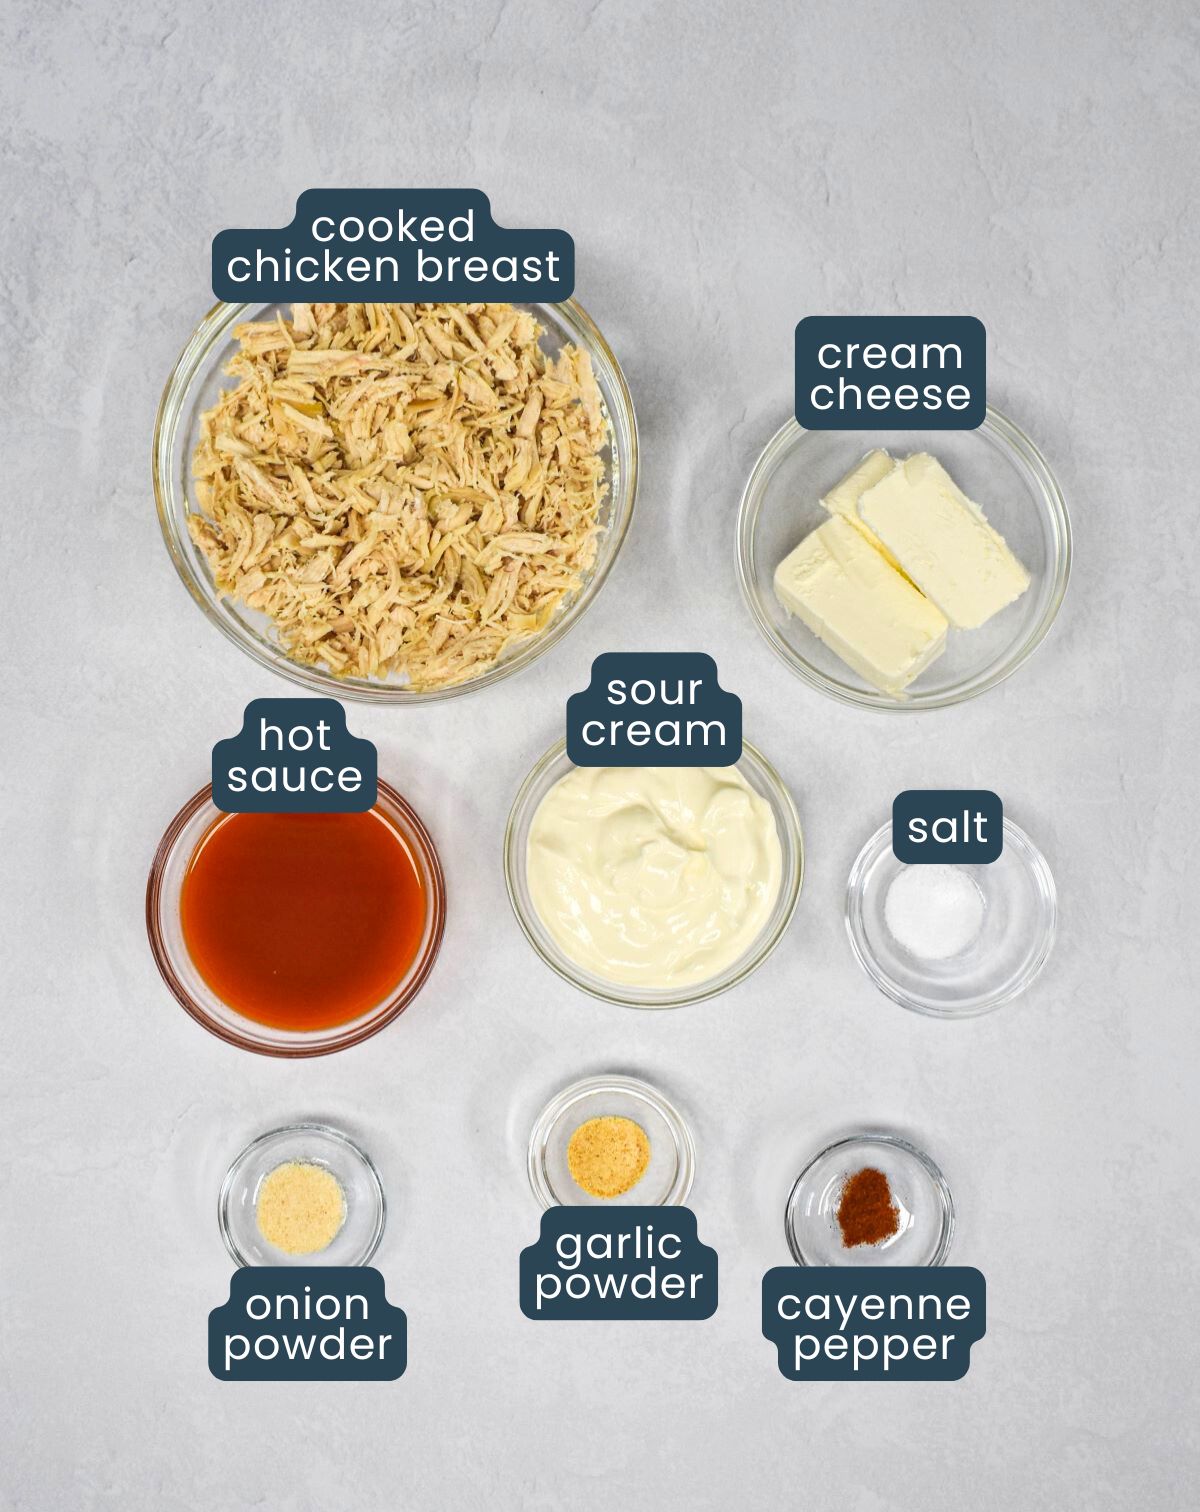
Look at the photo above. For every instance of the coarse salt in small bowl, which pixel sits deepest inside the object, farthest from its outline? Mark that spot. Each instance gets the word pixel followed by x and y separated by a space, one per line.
pixel 999 960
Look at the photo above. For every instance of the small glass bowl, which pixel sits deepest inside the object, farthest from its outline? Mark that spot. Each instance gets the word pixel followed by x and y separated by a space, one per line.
pixel 306 1144
pixel 997 465
pixel 192 389
pixel 919 1190
pixel 192 992
pixel 672 1168
pixel 1019 923
pixel 765 781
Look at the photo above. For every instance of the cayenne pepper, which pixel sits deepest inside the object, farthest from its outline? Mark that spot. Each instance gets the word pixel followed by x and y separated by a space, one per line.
pixel 866 1213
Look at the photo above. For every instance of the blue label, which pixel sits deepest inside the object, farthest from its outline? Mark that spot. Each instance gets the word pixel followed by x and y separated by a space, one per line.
pixel 891 372
pixel 947 825
pixel 393 244
pixel 618 1263
pixel 654 708
pixel 874 1323
pixel 307 1323
pixel 294 756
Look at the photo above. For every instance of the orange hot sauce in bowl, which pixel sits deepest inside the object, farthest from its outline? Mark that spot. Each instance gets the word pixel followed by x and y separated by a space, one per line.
pixel 296 934
pixel 302 921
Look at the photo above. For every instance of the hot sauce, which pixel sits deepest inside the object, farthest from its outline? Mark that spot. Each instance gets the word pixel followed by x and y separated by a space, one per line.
pixel 302 921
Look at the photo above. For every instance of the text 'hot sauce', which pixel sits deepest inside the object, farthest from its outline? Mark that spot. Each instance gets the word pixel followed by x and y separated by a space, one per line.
pixel 302 921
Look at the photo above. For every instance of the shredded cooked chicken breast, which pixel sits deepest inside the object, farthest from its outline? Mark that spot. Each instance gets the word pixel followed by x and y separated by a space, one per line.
pixel 405 489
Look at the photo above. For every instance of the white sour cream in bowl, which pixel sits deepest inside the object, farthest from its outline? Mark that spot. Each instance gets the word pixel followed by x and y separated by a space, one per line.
pixel 656 878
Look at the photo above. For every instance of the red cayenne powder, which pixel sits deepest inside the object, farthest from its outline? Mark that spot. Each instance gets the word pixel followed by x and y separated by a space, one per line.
pixel 866 1213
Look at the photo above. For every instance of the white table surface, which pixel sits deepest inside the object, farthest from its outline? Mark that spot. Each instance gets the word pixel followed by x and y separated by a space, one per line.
pixel 724 171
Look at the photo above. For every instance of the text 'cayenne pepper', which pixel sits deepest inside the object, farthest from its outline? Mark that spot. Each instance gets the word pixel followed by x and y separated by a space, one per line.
pixel 866 1213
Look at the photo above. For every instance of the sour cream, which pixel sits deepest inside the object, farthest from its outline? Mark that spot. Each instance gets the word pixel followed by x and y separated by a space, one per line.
pixel 654 877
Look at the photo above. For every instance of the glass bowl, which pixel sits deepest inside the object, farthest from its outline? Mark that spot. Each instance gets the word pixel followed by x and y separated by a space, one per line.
pixel 919 1190
pixel 193 993
pixel 1013 943
pixel 997 465
pixel 668 1178
pixel 765 781
pixel 306 1144
pixel 197 379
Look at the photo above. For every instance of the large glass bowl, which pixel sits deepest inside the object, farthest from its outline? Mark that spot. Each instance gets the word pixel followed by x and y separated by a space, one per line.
pixel 192 992
pixel 997 466
pixel 197 379
pixel 765 781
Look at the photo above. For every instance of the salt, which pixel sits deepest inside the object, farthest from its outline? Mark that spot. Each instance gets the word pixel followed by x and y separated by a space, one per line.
pixel 934 912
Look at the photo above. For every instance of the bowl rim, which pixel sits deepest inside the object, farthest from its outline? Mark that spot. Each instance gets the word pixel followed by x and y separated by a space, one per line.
pixel 685 1146
pixel 893 1141
pixel 784 440
pixel 326 1131
pixel 619 994
pixel 1043 878
pixel 415 832
pixel 218 319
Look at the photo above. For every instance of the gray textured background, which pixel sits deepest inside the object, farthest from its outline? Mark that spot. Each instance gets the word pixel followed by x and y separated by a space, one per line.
pixel 724 170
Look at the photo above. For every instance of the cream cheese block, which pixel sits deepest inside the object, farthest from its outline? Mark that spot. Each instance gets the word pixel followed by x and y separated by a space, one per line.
pixel 860 606
pixel 842 499
pixel 943 541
